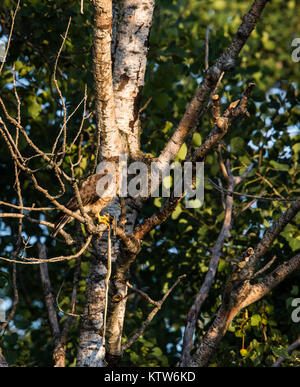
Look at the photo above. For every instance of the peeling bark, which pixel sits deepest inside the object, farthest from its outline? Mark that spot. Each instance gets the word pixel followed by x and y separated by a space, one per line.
pixel 213 337
pixel 118 293
pixel 91 351
pixel 130 67
pixel 122 99
pixel 111 143
pixel 116 12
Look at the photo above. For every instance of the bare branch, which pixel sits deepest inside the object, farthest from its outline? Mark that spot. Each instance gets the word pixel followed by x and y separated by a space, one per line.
pixel 271 199
pixel 50 302
pixel 265 268
pixel 234 111
pixel 213 265
pixel 14 149
pixel 206 48
pixel 131 243
pixel 64 127
pixel 10 34
pixel 69 240
pixel 39 209
pixel 271 280
pixel 155 220
pixel 143 294
pixel 36 261
pixel 239 292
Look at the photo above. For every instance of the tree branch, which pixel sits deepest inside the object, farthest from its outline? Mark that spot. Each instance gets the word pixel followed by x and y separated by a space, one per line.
pixel 293 346
pixel 235 110
pixel 50 305
pixel 271 280
pixel 224 63
pixel 225 233
pixel 239 292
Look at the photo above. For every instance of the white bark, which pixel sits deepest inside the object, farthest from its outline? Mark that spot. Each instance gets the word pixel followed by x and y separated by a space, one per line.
pixel 111 143
pixel 130 67
pixel 117 308
pixel 91 351
pixel 117 113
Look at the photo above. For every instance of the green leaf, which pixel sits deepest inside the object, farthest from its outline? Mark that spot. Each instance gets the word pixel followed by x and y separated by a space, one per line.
pixel 34 108
pixel 281 352
pixel 255 320
pixel 279 166
pixel 295 243
pixel 295 290
pixel 197 140
pixel 158 202
pixel 237 145
pixel 177 212
pixel 182 152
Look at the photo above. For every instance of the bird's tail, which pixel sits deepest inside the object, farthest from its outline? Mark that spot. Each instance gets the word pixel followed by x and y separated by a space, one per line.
pixel 60 224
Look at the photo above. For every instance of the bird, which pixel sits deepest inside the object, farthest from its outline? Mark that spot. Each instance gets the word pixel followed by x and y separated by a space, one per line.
pixel 93 200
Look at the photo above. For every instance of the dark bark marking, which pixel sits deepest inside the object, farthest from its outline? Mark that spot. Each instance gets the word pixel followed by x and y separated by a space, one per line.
pixel 136 108
pixel 123 81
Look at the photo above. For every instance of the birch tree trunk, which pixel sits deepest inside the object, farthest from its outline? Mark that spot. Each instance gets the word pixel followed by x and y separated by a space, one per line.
pixel 130 67
pixel 118 95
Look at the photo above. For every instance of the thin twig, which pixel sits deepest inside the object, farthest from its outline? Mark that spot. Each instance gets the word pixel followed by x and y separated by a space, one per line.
pixel 10 34
pixel 36 261
pixel 64 127
pixel 206 48
pixel 228 192
pixel 266 267
pixel 151 315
